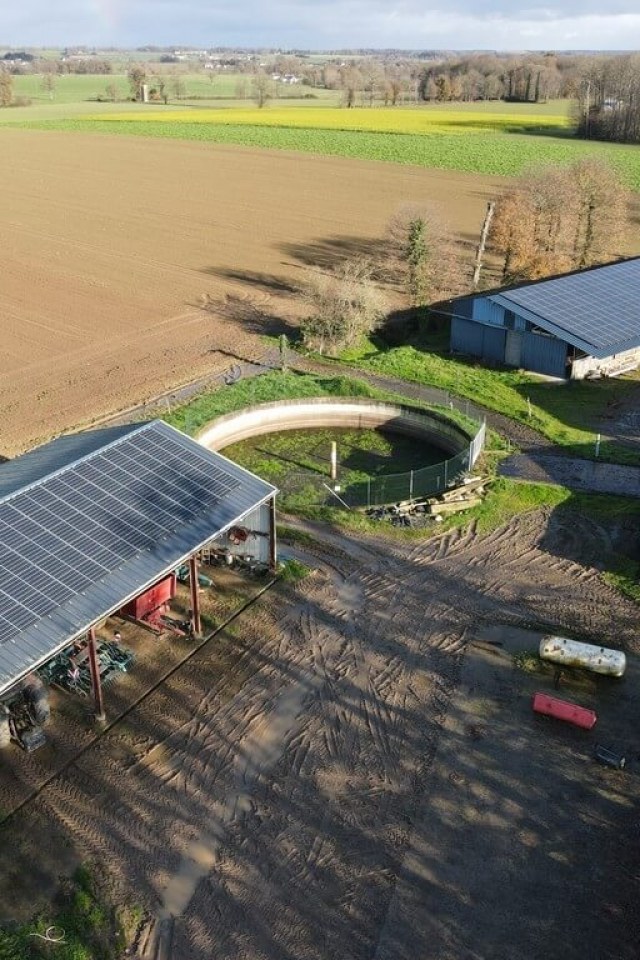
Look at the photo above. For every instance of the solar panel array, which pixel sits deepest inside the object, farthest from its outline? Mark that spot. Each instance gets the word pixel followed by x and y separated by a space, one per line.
pixel 61 536
pixel 601 307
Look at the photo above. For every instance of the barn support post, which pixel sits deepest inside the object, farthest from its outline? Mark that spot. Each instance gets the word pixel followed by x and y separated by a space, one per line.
pixel 272 535
pixel 195 597
pixel 96 683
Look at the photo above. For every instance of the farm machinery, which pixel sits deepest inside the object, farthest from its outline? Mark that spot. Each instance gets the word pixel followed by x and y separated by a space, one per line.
pixel 23 714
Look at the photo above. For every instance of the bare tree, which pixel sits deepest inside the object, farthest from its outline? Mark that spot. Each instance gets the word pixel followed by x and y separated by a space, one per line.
pixel 262 89
pixel 6 88
pixel 112 92
pixel 178 86
pixel 373 79
pixel 345 305
pixel 136 77
pixel 560 218
pixel 351 82
pixel 601 211
pixel 48 84
pixel 511 232
pixel 423 252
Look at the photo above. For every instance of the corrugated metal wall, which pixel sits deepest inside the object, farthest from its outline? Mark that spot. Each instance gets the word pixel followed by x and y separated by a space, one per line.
pixel 544 355
pixel 466 337
pixel 486 311
pixel 538 353
pixel 493 342
pixel 464 307
pixel 477 339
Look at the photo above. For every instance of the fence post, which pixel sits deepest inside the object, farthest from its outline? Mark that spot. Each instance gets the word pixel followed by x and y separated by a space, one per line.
pixel 368 491
pixel 446 480
pixel 411 485
pixel 283 351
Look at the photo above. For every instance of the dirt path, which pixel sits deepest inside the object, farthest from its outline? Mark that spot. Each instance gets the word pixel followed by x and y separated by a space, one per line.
pixel 272 810
pixel 574 473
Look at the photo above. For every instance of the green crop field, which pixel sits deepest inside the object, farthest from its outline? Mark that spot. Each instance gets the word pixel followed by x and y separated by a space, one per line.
pixel 70 88
pixel 489 138
pixel 210 86
pixel 497 152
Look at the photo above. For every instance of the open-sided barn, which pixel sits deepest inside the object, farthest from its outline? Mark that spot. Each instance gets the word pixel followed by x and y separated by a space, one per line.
pixel 577 325
pixel 92 521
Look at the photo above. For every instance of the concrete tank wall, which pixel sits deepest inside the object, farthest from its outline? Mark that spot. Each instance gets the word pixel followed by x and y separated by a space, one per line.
pixel 363 414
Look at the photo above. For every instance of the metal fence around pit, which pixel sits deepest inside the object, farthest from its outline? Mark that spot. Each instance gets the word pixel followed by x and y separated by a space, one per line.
pixel 300 487
pixel 415 484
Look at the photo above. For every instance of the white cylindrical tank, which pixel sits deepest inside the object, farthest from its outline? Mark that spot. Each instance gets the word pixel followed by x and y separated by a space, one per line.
pixel 572 653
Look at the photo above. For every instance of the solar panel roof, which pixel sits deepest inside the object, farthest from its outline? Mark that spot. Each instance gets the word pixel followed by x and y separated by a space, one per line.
pixel 82 534
pixel 596 310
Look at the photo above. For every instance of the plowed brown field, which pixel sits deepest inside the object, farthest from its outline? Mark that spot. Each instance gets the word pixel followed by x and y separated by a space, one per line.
pixel 111 247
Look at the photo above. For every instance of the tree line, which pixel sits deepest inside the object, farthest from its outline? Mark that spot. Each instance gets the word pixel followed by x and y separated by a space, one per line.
pixel 89 65
pixel 550 221
pixel 530 78
pixel 609 99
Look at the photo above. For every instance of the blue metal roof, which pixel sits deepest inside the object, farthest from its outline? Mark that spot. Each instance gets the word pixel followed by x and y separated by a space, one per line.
pixel 90 520
pixel 596 310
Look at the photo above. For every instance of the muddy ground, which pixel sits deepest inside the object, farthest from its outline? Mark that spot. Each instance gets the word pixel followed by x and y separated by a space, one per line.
pixel 133 265
pixel 362 776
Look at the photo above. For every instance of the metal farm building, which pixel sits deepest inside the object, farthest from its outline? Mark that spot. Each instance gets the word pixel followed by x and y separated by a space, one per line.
pixel 97 523
pixel 578 325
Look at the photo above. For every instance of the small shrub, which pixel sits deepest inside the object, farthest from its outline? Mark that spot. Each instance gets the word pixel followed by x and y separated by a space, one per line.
pixel 292 570
pixel 527 660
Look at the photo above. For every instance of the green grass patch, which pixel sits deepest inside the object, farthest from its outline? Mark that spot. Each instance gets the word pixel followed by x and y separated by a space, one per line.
pixel 71 88
pixel 286 385
pixel 293 570
pixel 625 578
pixel 278 385
pixel 566 413
pixel 360 453
pixel 506 499
pixel 90 928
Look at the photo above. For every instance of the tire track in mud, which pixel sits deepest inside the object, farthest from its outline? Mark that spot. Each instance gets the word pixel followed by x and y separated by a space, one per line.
pixel 293 800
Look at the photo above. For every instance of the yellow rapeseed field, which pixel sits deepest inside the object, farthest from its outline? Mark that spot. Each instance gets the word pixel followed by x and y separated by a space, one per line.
pixel 421 120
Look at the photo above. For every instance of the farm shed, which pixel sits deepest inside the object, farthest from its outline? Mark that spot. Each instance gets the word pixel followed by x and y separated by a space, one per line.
pixel 577 325
pixel 91 521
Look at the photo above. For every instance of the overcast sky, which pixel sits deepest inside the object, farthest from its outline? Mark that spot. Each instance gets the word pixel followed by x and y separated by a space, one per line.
pixel 325 24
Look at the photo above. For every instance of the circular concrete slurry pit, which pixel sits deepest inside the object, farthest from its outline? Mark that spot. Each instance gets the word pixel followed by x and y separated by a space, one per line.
pixel 383 452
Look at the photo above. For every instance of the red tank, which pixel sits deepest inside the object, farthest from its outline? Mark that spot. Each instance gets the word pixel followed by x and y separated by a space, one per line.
pixel 156 596
pixel 564 710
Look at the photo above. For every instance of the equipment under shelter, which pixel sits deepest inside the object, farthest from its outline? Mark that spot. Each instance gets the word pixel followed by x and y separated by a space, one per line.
pixel 92 521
